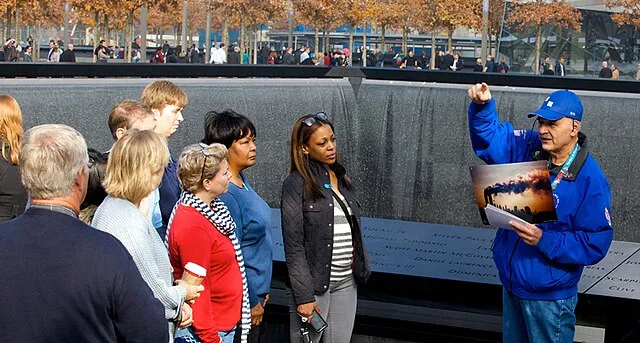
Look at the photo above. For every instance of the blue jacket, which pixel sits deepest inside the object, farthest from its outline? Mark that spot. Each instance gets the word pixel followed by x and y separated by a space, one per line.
pixel 253 229
pixel 581 236
pixel 169 190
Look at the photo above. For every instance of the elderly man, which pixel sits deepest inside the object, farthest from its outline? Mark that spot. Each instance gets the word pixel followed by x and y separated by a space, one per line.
pixel 77 283
pixel 68 55
pixel 540 265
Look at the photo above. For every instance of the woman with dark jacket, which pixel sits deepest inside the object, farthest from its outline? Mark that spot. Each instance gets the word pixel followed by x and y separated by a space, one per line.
pixel 323 244
pixel 13 195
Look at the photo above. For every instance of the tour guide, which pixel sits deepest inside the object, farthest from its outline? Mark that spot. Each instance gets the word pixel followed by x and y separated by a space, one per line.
pixel 540 265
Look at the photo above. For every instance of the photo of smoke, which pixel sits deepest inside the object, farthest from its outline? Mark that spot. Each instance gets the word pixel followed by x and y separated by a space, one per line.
pixel 522 189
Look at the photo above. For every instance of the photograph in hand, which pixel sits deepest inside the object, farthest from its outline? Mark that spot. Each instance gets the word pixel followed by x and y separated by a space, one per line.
pixel 520 189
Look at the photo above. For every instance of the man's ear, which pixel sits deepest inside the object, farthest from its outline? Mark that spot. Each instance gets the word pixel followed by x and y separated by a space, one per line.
pixel 120 132
pixel 156 113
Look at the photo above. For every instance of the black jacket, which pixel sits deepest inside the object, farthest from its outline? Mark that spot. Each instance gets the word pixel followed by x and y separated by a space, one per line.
pixel 447 62
pixel 307 231
pixel 68 56
pixel 13 195
pixel 288 59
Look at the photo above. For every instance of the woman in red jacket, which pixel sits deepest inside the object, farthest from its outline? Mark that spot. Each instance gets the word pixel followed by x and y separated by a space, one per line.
pixel 201 231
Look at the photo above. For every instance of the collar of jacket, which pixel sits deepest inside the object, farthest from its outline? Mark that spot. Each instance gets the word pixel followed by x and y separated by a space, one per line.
pixel 577 164
pixel 318 169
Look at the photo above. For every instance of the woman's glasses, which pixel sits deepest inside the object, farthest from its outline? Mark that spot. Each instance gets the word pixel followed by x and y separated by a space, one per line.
pixel 206 152
pixel 314 118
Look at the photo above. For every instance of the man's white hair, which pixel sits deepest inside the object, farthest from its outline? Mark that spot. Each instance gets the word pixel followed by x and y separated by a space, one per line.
pixel 50 156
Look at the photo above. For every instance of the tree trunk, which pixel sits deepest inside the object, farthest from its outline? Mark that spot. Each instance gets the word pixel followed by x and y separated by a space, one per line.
pixel 9 24
pixel 405 35
pixel 207 39
pixel 242 42
pixel 17 33
pixel 324 41
pixel 96 34
pixel 176 35
pixel 364 45
pixel 65 19
pixel 225 32
pixel 450 39
pixel 384 30
pixel 290 25
pixel 255 45
pixel 185 21
pixel 432 63
pixel 129 39
pixel 144 29
pixel 36 44
pixel 536 67
pixel 106 31
pixel 316 40
pixel 350 59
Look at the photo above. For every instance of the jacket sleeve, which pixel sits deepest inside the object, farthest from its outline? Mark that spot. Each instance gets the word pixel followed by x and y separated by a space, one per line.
pixel 293 238
pixel 196 248
pixel 236 213
pixel 137 243
pixel 495 142
pixel 169 190
pixel 592 234
pixel 138 315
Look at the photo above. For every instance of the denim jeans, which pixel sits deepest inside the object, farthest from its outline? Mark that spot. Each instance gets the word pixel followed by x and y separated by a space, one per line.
pixel 188 336
pixel 537 321
pixel 227 336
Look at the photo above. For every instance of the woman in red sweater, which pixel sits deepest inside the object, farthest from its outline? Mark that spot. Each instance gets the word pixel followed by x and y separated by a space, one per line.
pixel 201 231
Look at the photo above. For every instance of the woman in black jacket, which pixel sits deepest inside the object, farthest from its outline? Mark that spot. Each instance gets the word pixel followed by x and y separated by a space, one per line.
pixel 13 196
pixel 323 245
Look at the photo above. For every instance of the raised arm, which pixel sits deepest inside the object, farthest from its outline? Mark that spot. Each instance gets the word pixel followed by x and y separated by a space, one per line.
pixel 493 141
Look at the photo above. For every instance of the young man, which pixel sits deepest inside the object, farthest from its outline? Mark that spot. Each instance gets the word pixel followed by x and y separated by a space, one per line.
pixel 540 265
pixel 166 100
pixel 131 114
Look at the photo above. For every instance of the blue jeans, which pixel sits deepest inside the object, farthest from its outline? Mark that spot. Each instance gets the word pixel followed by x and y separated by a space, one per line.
pixel 535 321
pixel 227 336
pixel 187 335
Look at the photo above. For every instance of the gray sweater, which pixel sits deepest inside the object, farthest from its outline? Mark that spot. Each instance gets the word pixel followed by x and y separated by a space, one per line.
pixel 122 219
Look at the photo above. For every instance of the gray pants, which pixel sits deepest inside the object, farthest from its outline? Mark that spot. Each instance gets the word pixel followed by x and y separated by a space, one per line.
pixel 337 308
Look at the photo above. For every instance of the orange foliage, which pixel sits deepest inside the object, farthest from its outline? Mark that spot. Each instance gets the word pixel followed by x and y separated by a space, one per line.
pixel 531 14
pixel 630 14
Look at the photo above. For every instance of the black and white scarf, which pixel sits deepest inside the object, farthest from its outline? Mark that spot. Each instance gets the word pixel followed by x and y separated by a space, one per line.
pixel 218 214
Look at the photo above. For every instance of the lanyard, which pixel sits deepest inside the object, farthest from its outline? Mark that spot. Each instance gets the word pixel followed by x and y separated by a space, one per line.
pixel 565 166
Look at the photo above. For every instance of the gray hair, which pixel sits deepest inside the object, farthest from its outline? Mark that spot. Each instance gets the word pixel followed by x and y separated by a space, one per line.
pixel 50 156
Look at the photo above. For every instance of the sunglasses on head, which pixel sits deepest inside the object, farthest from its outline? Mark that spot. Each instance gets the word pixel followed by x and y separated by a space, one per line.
pixel 206 152
pixel 314 118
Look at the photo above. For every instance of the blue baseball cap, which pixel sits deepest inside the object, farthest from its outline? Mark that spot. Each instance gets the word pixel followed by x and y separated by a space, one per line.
pixel 562 103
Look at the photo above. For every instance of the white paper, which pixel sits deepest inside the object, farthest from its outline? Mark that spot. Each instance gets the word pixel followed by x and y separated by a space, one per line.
pixel 501 218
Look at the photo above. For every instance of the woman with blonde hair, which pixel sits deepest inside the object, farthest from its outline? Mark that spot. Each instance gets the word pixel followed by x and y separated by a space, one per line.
pixel 13 195
pixel 134 170
pixel 202 231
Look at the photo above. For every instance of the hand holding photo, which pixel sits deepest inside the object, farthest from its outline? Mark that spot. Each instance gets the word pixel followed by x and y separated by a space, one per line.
pixel 514 191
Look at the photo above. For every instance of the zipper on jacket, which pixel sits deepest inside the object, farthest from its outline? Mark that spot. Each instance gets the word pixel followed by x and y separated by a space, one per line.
pixel 515 247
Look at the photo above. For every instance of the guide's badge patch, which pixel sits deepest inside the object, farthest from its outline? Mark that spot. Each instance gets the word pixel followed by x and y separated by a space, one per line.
pixel 607 215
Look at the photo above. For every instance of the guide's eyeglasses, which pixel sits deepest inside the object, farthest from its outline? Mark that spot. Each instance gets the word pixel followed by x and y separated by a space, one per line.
pixel 206 152
pixel 314 118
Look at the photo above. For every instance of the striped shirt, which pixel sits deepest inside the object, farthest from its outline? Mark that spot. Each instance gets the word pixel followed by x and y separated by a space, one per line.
pixel 342 256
